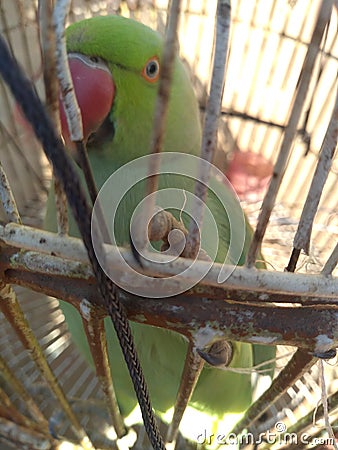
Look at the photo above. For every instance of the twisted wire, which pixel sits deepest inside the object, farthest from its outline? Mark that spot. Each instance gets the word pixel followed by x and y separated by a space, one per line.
pixel 35 113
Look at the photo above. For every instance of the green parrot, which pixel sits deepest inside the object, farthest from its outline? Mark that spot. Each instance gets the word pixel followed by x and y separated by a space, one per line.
pixel 115 64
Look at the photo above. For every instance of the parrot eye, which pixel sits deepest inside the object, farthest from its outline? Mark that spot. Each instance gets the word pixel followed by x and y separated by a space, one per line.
pixel 151 70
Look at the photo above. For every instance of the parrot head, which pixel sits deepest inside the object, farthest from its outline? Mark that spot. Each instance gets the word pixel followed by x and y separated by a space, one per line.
pixel 115 65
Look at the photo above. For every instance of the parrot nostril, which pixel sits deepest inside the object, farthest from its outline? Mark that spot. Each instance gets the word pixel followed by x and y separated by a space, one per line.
pixel 94 59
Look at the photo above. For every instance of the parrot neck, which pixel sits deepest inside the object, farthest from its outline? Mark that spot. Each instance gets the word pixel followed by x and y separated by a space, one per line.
pixel 107 151
pixel 103 165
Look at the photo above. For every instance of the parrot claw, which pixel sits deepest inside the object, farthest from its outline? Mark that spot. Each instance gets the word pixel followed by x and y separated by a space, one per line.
pixel 218 355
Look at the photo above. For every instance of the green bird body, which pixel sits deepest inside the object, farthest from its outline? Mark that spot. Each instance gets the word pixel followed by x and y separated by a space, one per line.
pixel 126 47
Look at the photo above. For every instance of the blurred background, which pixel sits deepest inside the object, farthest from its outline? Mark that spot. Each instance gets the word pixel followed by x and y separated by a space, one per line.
pixel 269 40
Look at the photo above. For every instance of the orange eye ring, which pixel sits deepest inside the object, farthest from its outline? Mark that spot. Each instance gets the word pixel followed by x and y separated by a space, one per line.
pixel 151 70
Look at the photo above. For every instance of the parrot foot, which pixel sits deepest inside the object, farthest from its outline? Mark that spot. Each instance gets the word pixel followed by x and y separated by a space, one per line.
pixel 218 355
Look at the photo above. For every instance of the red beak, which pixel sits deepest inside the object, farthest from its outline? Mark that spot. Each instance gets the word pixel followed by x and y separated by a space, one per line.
pixel 94 89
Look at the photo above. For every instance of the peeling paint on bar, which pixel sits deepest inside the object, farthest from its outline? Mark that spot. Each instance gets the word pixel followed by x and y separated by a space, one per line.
pixel 324 343
pixel 206 335
pixel 85 309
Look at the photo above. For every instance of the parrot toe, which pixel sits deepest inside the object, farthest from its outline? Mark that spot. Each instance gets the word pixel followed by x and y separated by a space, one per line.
pixel 218 355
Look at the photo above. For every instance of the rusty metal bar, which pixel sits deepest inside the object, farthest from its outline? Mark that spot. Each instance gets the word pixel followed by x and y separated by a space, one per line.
pixel 10 307
pixel 192 369
pixel 96 335
pixel 300 363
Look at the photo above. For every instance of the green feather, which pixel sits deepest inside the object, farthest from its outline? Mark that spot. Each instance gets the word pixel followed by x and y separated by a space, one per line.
pixel 126 46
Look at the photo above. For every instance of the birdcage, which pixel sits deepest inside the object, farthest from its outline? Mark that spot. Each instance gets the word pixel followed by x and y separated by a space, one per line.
pixel 276 144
